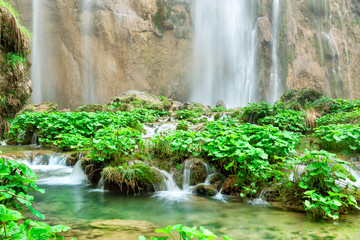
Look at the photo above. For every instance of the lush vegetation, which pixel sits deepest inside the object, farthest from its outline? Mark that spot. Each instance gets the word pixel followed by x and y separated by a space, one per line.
pixel 254 146
pixel 16 182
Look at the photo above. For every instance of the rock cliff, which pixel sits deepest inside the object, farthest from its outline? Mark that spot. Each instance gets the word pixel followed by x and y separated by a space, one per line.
pixel 147 45
pixel 113 46
pixel 319 45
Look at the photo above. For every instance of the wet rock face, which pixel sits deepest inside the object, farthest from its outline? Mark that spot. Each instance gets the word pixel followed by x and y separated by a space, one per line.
pixel 124 44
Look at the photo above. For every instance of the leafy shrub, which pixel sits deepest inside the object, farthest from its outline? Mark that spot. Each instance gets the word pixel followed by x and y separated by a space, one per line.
pixel 186 233
pixel 50 125
pixel 16 182
pixel 289 120
pixel 186 114
pixel 111 144
pixel 352 117
pixel 256 111
pixel 318 185
pixel 339 137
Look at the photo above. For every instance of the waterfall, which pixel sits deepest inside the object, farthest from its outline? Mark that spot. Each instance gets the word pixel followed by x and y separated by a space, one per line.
pixel 225 40
pixel 36 58
pixel 275 79
pixel 88 61
pixel 52 169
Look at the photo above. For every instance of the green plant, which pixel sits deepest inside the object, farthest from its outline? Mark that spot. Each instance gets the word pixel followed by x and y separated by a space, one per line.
pixel 256 111
pixel 16 182
pixel 324 198
pixel 186 233
pixel 289 120
pixel 339 137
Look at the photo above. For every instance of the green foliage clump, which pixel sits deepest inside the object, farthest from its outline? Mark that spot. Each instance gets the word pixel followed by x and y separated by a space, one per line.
pixel 317 187
pixel 187 114
pixel 352 117
pixel 79 124
pixel 12 60
pixel 218 109
pixel 339 137
pixel 289 120
pixel 111 144
pixel 186 233
pixel 131 177
pixel 161 15
pixel 256 111
pixel 16 182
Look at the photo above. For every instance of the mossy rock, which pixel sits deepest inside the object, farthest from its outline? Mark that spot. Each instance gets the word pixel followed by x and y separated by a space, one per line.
pixel 198 171
pixel 133 178
pixel 136 99
pixel 94 108
pixel 205 190
pixel 41 108
pixel 297 99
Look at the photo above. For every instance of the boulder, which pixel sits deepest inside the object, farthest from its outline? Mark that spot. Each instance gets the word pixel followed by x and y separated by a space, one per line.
pixel 41 108
pixel 297 98
pixel 220 103
pixel 198 171
pixel 205 190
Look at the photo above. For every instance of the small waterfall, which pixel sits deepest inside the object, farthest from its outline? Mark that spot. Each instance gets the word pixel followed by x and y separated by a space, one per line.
pixel 275 79
pixel 77 175
pixel 260 201
pixel 220 197
pixel 88 28
pixel 186 176
pixel 3 143
pixel 53 170
pixel 173 193
pixel 225 40
pixel 34 139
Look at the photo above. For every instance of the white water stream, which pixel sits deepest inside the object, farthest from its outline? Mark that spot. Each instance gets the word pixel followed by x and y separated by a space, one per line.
pixel 225 40
pixel 36 58
pixel 88 61
pixel 52 170
pixel 173 193
pixel 275 79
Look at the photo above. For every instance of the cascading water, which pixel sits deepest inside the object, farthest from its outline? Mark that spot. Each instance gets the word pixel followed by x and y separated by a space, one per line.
pixel 225 41
pixel 275 79
pixel 52 170
pixel 328 51
pixel 88 27
pixel 172 192
pixel 36 58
